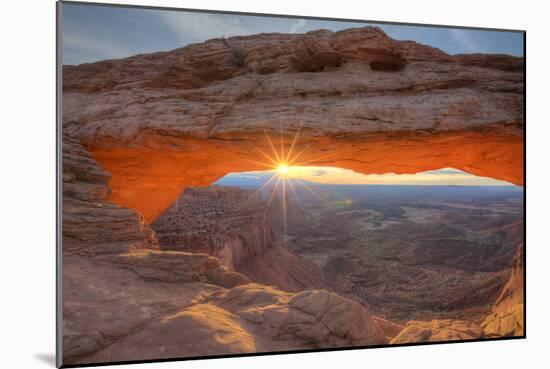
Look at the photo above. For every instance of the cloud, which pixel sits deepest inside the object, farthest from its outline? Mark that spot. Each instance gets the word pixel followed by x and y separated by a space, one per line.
pixel 248 176
pixel 462 37
pixel 198 27
pixel 319 173
pixel 448 171
pixel 82 47
pixel 300 24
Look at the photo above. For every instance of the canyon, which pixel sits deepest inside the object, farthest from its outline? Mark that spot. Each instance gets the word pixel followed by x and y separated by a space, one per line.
pixel 140 134
pixel 235 226
pixel 225 222
pixel 410 252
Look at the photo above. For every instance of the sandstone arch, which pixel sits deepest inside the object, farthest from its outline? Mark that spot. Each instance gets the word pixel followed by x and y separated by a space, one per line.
pixel 149 179
pixel 361 100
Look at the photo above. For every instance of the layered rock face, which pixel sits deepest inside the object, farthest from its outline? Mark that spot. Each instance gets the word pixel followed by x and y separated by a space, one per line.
pixel 359 99
pixel 226 222
pixel 235 226
pixel 178 267
pixel 91 225
pixel 507 315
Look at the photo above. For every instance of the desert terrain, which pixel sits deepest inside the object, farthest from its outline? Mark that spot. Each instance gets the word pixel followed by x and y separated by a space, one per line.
pixel 411 252
pixel 159 263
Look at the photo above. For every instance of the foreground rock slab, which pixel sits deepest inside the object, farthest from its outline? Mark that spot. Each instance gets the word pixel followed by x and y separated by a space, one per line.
pixel 250 318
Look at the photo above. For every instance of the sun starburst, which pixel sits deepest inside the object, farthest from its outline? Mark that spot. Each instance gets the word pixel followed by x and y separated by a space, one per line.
pixel 282 169
pixel 285 168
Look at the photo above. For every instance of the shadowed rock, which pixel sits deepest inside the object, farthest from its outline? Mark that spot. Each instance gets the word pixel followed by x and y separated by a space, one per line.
pixel 91 224
pixel 175 266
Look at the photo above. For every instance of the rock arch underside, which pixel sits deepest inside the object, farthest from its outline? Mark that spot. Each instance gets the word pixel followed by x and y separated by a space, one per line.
pixel 138 131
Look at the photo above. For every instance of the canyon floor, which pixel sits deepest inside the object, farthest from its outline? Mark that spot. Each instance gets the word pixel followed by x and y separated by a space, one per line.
pixel 411 253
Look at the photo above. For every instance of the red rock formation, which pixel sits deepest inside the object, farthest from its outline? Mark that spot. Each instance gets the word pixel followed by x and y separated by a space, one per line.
pixel 226 222
pixel 124 299
pixel 360 99
pixel 507 315
pixel 235 226
pixel 91 225
pixel 250 318
pixel 390 329
pixel 281 268
pixel 438 330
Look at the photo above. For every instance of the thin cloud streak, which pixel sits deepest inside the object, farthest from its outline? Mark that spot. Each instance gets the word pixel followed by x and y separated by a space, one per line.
pixel 197 27
pixel 300 24
pixel 79 48
pixel 464 39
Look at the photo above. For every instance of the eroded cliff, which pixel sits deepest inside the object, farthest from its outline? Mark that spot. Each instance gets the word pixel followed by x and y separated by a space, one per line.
pixel 91 224
pixel 235 226
pixel 225 222
pixel 507 316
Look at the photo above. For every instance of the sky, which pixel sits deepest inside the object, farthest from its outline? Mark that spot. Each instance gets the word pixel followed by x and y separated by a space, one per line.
pixel 333 175
pixel 91 33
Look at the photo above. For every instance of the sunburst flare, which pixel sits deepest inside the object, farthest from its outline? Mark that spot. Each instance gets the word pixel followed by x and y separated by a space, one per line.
pixel 285 167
